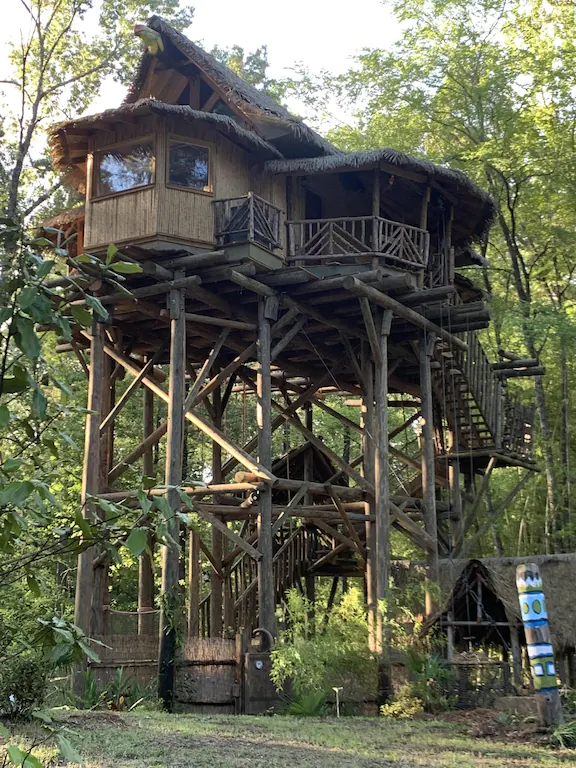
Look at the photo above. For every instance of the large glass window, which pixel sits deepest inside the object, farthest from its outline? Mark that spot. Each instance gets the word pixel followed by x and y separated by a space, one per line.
pixel 188 165
pixel 123 168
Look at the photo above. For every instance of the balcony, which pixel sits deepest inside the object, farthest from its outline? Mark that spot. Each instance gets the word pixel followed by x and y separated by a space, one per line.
pixel 247 219
pixel 357 238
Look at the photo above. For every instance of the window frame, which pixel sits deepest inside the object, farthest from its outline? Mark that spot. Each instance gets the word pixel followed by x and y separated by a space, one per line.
pixel 98 151
pixel 194 143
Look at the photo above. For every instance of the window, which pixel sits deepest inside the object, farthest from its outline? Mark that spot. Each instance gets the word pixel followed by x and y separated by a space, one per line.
pixel 125 167
pixel 188 165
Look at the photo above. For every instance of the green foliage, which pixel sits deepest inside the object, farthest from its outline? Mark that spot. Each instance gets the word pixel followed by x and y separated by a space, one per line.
pixel 315 662
pixel 122 694
pixel 431 680
pixel 565 735
pixel 311 704
pixel 404 705
pixel 23 684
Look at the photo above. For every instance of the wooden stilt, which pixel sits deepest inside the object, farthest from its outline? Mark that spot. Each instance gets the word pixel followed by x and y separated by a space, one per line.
pixel 428 459
pixel 368 451
pixel 516 656
pixel 382 506
pixel 193 583
pixel 455 491
pixel 145 565
pixel 264 420
pixel 90 483
pixel 216 584
pixel 173 476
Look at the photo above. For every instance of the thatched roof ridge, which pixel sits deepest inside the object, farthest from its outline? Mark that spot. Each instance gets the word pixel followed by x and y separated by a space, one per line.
pixel 64 219
pixel 59 149
pixel 249 100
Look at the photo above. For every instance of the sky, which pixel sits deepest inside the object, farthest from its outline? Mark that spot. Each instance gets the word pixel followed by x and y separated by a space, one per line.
pixel 321 34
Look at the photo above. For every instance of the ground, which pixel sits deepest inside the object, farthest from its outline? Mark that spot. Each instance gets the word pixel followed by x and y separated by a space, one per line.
pixel 154 740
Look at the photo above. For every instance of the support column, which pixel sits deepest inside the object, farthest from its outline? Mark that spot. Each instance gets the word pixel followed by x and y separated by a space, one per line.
pixel 100 585
pixel 170 603
pixel 428 460
pixel 216 585
pixel 266 602
pixel 193 583
pixel 382 507
pixel 368 450
pixel 145 564
pixel 90 482
pixel 516 656
pixel 455 490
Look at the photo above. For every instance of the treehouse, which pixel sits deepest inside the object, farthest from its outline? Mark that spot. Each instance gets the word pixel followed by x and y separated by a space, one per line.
pixel 278 270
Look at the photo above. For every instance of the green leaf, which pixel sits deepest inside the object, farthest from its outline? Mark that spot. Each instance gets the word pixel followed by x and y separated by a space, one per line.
pixel 111 252
pixel 45 269
pixel 26 337
pixel 4 732
pixel 185 499
pixel 39 714
pixel 27 296
pixel 19 757
pixel 97 306
pixel 81 315
pixel 11 465
pixel 126 267
pixel 33 585
pixel 39 403
pixel 144 501
pixel 5 313
pixel 84 258
pixel 16 493
pixel 163 507
pixel 88 651
pixel 148 482
pixel 83 524
pixel 136 541
pixel 69 753
pixel 4 416
pixel 11 385
pixel 41 242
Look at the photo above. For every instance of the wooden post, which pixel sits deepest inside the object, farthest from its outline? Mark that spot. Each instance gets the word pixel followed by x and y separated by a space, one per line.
pixel 382 507
pixel 428 461
pixel 193 583
pixel 145 564
pixel 266 602
pixel 538 642
pixel 216 585
pixel 516 656
pixel 170 602
pixel 90 483
pixel 375 216
pixel 368 450
pixel 455 490
pixel 100 584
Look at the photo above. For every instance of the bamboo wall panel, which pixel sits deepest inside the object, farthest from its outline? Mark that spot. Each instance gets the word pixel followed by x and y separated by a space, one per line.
pixel 128 216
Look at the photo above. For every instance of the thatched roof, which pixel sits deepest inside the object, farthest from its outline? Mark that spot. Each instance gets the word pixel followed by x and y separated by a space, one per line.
pixel 558 575
pixel 59 135
pixel 275 121
pixel 473 212
pixel 65 219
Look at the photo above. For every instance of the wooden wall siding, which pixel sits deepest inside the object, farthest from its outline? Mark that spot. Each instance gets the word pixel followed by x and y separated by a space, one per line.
pixel 129 216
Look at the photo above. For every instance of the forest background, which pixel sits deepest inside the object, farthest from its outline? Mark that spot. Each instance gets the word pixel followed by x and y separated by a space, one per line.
pixel 487 87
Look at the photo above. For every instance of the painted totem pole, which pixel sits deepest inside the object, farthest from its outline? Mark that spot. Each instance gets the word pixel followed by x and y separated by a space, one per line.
pixel 540 651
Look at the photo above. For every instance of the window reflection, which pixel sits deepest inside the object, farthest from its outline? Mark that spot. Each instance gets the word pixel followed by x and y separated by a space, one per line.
pixel 188 166
pixel 125 168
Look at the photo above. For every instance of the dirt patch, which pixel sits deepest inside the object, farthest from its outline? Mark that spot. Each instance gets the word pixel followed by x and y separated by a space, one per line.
pixel 483 724
pixel 95 720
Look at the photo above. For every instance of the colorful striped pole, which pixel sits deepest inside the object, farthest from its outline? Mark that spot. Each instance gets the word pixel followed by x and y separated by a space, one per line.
pixel 538 642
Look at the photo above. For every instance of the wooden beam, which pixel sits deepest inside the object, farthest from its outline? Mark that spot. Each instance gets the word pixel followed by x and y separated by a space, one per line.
pixel 368 318
pixel 358 288
pixel 204 513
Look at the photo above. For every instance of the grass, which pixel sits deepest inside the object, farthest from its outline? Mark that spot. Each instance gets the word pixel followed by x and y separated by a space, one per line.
pixel 156 740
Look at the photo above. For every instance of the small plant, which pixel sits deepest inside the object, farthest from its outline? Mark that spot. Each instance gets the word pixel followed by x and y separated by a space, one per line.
pixel 430 680
pixel 565 735
pixel 404 705
pixel 504 718
pixel 308 705
pixel 23 683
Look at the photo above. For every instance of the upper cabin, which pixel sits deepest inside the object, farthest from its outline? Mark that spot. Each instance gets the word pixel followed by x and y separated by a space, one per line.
pixel 197 159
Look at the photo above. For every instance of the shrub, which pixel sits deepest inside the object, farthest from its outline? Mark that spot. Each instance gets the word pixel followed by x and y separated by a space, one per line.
pixel 404 705
pixel 23 683
pixel 431 680
pixel 308 705
pixel 565 735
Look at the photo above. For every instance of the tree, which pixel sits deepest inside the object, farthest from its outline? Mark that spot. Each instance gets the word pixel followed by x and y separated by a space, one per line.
pixel 57 69
pixel 486 87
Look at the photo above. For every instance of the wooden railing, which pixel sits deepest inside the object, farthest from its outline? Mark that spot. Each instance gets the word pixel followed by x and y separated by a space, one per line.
pixel 518 426
pixel 289 563
pixel 247 219
pixel 318 239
